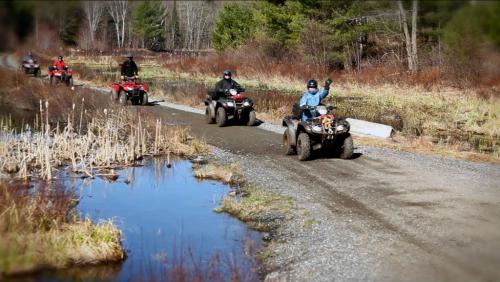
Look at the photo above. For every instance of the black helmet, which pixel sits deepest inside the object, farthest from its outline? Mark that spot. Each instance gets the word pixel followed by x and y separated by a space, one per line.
pixel 60 57
pixel 312 84
pixel 227 72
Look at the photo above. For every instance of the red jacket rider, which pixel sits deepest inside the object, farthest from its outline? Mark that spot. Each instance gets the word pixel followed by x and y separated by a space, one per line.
pixel 59 63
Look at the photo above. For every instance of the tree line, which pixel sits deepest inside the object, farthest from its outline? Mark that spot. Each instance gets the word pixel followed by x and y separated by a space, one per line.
pixel 342 34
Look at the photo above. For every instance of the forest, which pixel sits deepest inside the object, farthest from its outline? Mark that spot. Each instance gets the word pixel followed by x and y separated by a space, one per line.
pixel 453 41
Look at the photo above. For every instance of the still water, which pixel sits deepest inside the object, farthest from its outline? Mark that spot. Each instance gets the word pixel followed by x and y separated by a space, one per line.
pixel 170 230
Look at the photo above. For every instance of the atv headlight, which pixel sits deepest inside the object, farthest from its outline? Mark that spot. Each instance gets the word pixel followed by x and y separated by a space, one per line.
pixel 246 104
pixel 316 129
pixel 230 104
pixel 129 88
pixel 340 127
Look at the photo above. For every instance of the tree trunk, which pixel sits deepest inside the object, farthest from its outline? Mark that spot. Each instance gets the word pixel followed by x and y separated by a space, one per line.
pixel 414 35
pixel 404 24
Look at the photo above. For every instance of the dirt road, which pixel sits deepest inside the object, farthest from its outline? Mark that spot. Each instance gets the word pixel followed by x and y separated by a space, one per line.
pixel 385 215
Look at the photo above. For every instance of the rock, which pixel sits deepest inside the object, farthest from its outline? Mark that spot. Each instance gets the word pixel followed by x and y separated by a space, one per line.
pixel 232 193
pixel 199 160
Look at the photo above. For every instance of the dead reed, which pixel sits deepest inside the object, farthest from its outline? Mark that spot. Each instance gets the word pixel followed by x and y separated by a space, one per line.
pixel 114 137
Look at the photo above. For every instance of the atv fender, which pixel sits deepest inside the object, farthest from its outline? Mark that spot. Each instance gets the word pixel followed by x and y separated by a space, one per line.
pixel 116 87
pixel 292 130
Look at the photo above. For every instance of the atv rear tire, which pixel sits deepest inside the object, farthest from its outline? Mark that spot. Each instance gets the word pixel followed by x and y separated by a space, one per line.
pixel 123 99
pixel 347 148
pixel 51 80
pixel 288 148
pixel 303 146
pixel 144 100
pixel 221 117
pixel 37 73
pixel 208 116
pixel 252 118
pixel 114 95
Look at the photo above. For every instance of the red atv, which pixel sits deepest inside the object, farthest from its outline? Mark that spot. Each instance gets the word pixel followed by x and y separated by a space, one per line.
pixel 57 76
pixel 130 89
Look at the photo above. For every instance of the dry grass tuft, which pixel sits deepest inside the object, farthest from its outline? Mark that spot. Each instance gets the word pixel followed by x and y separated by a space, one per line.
pixel 227 174
pixel 39 229
pixel 257 207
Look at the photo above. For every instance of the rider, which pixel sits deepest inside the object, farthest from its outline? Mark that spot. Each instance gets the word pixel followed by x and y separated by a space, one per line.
pixel 227 83
pixel 312 97
pixel 28 57
pixel 129 68
pixel 59 63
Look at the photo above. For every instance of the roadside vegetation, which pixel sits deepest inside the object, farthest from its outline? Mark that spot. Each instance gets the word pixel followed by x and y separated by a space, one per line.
pixel 40 229
pixel 44 130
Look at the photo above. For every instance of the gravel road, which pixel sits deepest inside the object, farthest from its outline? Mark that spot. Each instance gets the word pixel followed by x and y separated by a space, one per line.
pixel 385 215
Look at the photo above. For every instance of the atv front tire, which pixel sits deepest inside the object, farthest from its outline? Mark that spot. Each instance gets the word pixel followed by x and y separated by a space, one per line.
pixel 69 82
pixel 288 148
pixel 347 148
pixel 144 100
pixel 221 117
pixel 114 95
pixel 208 116
pixel 123 99
pixel 303 146
pixel 51 80
pixel 252 118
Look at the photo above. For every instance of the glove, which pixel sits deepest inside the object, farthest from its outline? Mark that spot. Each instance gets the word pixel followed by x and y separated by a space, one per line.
pixel 122 77
pixel 327 83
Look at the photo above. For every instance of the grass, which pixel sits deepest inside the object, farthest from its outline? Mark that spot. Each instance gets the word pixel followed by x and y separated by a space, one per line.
pixel 257 208
pixel 39 229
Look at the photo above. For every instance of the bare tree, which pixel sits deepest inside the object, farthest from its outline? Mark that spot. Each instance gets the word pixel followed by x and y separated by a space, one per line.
pixel 118 9
pixel 197 19
pixel 414 35
pixel 93 11
pixel 410 42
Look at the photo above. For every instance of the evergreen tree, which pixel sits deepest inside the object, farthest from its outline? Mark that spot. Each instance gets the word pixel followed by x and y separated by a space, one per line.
pixel 148 21
pixel 233 27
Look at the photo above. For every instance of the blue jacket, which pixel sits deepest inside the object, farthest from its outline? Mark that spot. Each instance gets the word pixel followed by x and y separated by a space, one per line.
pixel 312 100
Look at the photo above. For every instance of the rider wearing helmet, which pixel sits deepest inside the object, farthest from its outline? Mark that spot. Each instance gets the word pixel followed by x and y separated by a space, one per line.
pixel 227 83
pixel 59 63
pixel 312 97
pixel 28 57
pixel 129 68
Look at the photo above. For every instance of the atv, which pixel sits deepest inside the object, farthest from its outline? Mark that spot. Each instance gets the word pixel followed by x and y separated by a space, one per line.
pixel 324 132
pixel 231 104
pixel 57 76
pixel 130 89
pixel 31 66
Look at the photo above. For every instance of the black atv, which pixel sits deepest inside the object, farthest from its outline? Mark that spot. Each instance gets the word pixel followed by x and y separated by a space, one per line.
pixel 231 104
pixel 325 132
pixel 31 66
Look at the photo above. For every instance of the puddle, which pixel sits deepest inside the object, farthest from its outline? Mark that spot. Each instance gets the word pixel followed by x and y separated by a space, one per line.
pixel 169 227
